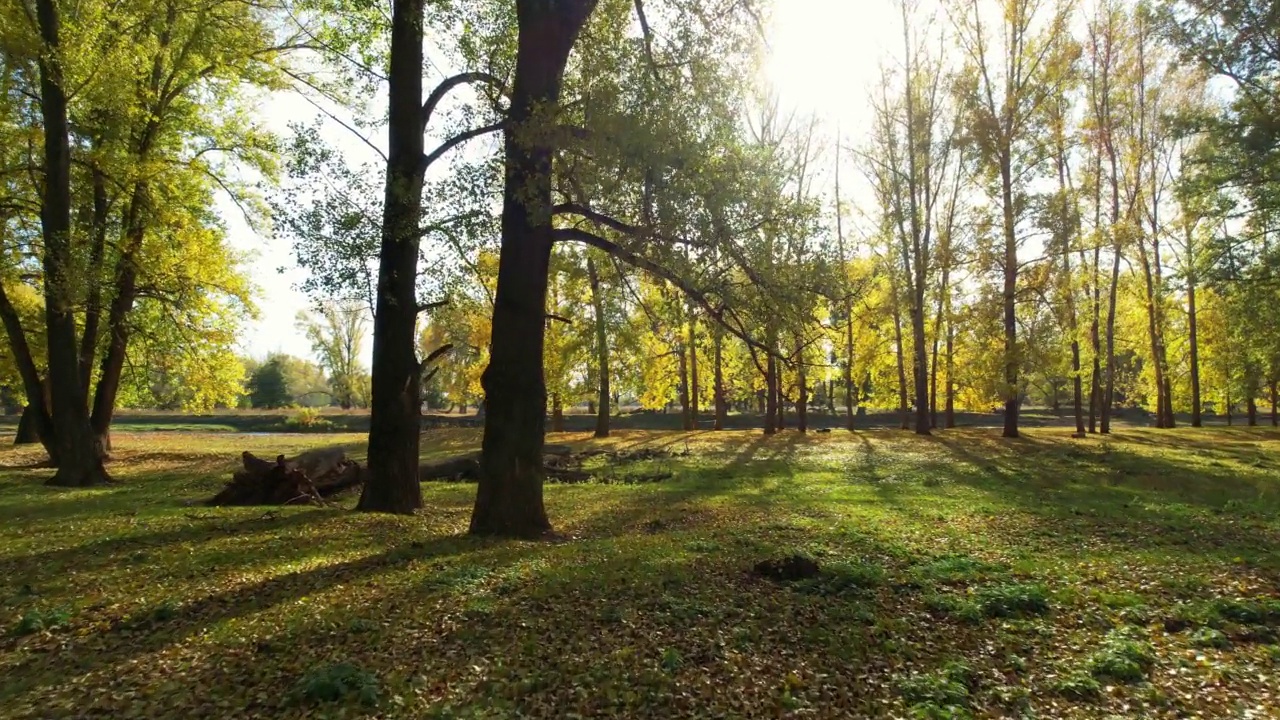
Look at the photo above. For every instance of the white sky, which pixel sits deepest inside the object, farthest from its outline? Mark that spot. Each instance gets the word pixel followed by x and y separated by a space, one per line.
pixel 824 55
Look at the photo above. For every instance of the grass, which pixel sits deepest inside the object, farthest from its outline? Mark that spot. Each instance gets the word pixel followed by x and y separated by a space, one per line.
pixel 965 576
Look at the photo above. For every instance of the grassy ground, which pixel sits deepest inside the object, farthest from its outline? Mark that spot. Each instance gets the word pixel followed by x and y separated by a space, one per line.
pixel 963 575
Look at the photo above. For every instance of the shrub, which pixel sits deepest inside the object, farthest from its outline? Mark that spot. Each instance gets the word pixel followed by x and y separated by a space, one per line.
pixel 308 419
pixel 1208 637
pixel 1122 658
pixel 337 683
pixel 1013 600
pixel 1078 686
pixel 36 620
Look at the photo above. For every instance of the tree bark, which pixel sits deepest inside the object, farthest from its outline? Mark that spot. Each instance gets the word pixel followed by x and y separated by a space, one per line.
pixel 686 419
pixel 950 411
pixel 802 396
pixel 557 413
pixel 1195 351
pixel 1108 399
pixel 39 401
pixel 721 409
pixel 693 369
pixel 1013 398
pixel 602 351
pixel 78 455
pixel 902 370
pixel 771 395
pixel 395 409
pixel 1275 412
pixel 509 497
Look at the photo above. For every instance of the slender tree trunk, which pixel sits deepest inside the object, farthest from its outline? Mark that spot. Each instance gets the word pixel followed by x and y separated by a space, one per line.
pixel 902 370
pixel 557 413
pixel 693 369
pixel 920 366
pixel 1227 403
pixel 602 351
pixel 721 409
pixel 93 300
pixel 509 497
pixel 686 418
pixel 1275 412
pixel 1251 406
pixel 36 415
pixel 1153 333
pixel 1013 399
pixel 802 396
pixel 78 455
pixel 950 411
pixel 771 395
pixel 1108 399
pixel 1195 351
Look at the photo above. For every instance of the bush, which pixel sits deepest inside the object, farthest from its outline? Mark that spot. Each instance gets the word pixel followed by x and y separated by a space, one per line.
pixel 36 620
pixel 1210 638
pixel 337 683
pixel 1122 659
pixel 1078 686
pixel 1013 601
pixel 308 419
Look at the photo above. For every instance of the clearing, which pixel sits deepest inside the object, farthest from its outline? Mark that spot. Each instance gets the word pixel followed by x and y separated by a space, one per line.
pixel 962 575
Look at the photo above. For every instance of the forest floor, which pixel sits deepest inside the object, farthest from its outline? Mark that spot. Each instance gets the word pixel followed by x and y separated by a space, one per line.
pixel 962 575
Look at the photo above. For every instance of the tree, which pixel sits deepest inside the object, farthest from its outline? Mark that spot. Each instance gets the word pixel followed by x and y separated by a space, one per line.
pixel 1007 82
pixel 268 387
pixel 337 339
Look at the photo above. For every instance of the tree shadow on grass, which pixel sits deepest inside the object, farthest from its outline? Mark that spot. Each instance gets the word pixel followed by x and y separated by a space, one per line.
pixel 1115 495
pixel 128 638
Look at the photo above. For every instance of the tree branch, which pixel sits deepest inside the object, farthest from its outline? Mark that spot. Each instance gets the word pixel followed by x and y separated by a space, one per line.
pixel 448 84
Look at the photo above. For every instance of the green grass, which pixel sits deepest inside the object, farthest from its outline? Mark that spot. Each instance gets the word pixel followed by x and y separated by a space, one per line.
pixel 965 576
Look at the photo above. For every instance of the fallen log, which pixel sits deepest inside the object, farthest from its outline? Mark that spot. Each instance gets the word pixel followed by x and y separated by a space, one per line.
pixel 312 477
pixel 456 469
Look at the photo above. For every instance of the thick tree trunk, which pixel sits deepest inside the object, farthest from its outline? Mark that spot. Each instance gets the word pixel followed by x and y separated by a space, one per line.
pixel 1195 352
pixel 509 497
pixel 1251 406
pixel 394 424
pixel 28 428
pixel 721 409
pixel 602 351
pixel 78 455
pixel 920 367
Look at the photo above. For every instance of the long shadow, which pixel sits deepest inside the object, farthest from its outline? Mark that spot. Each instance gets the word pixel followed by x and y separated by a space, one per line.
pixel 1115 495
pixel 86 653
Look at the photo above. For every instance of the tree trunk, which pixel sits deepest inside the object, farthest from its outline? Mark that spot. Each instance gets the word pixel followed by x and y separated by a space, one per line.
pixel 902 370
pixel 1153 333
pixel 93 301
pixel 557 413
pixel 920 366
pixel 509 497
pixel 78 455
pixel 693 369
pixel 39 401
pixel 395 423
pixel 686 419
pixel 802 396
pixel 950 411
pixel 1251 406
pixel 1195 352
pixel 1108 398
pixel 771 395
pixel 1095 340
pixel 28 431
pixel 721 410
pixel 1275 413
pixel 602 351
pixel 1012 391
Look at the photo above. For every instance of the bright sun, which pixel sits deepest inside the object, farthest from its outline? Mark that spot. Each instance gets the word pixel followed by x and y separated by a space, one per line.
pixel 825 54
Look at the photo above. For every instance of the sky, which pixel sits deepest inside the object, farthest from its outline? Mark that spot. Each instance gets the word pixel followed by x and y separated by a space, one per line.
pixel 823 55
